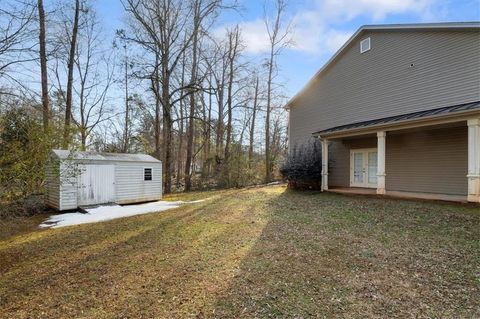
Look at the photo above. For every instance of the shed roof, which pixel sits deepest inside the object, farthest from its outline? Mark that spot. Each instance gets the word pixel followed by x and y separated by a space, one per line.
pixel 404 117
pixel 474 25
pixel 96 156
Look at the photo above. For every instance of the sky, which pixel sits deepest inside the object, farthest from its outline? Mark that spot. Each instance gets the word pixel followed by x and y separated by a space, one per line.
pixel 319 27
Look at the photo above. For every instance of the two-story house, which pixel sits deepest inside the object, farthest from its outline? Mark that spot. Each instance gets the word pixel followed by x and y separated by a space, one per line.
pixel 398 109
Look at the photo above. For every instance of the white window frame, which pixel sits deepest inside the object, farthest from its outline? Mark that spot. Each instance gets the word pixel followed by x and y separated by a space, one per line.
pixel 366 40
pixel 151 174
pixel 365 152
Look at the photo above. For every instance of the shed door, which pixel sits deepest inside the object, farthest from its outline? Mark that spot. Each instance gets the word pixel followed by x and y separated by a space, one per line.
pixel 96 184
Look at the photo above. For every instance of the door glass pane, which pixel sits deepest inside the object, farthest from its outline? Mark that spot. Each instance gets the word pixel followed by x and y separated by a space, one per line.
pixel 358 168
pixel 372 167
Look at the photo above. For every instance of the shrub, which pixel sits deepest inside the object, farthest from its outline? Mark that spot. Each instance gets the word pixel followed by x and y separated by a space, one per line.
pixel 303 167
pixel 24 149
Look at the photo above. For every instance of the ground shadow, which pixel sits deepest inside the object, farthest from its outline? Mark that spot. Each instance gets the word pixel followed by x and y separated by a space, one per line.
pixel 328 255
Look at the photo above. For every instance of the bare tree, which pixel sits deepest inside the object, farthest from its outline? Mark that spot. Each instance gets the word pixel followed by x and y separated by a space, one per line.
pixel 278 37
pixel 126 122
pixel 181 121
pixel 217 65
pixel 193 80
pixel 202 9
pixel 16 46
pixel 232 55
pixel 71 62
pixel 158 27
pixel 95 74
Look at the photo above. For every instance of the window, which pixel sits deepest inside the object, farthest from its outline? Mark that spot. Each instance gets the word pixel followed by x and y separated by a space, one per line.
pixel 147 174
pixel 365 45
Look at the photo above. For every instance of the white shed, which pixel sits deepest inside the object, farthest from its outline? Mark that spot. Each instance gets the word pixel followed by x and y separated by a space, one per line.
pixel 86 178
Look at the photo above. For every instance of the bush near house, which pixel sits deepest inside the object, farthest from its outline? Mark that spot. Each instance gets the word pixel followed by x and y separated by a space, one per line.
pixel 303 168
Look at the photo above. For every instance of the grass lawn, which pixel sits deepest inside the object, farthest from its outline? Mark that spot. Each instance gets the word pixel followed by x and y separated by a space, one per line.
pixel 260 252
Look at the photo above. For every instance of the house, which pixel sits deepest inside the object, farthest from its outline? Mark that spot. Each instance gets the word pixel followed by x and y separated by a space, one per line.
pixel 397 110
pixel 77 179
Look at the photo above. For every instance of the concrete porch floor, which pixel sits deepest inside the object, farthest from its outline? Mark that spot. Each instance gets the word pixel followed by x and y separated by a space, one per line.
pixel 398 194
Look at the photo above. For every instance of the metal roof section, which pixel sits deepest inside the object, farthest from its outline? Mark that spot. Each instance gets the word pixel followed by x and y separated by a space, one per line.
pixel 96 156
pixel 386 27
pixel 404 118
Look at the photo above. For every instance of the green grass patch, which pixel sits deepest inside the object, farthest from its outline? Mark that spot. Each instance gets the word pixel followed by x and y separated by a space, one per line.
pixel 252 253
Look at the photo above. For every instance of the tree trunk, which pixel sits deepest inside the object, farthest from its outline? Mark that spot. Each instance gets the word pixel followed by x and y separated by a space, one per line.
pixel 180 146
pixel 252 125
pixel 127 108
pixel 156 90
pixel 83 139
pixel 71 60
pixel 191 122
pixel 181 128
pixel 220 124
pixel 268 172
pixel 167 124
pixel 193 81
pixel 232 53
pixel 229 114
pixel 209 135
pixel 167 128
pixel 190 137
pixel 43 65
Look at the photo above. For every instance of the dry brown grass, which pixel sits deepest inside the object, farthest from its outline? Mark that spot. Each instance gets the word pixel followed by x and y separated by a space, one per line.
pixel 262 252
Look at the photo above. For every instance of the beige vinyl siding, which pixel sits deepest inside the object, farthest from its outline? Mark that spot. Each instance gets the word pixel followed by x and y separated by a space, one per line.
pixel 339 163
pixel 433 161
pixel 381 82
pixel 425 161
pixel 130 185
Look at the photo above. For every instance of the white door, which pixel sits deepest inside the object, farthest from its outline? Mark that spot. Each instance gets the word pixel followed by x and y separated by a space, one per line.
pixel 96 184
pixel 363 168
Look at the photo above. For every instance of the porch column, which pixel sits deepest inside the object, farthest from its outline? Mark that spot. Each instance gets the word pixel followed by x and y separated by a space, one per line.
pixel 324 185
pixel 381 162
pixel 473 160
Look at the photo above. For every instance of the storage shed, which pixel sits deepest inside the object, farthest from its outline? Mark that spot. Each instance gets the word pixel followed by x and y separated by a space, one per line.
pixel 87 178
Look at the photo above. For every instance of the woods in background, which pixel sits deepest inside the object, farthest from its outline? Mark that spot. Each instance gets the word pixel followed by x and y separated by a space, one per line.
pixel 163 84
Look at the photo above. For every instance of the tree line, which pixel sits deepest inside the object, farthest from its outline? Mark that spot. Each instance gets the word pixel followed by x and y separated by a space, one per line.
pixel 168 82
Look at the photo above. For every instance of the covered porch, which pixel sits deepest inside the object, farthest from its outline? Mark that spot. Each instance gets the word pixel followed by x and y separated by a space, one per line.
pixel 398 194
pixel 429 155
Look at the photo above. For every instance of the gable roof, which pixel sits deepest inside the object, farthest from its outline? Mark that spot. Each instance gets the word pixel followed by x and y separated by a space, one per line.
pixel 96 156
pixel 385 27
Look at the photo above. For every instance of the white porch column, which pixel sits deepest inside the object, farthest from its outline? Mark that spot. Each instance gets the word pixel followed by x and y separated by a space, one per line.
pixel 474 160
pixel 381 162
pixel 324 185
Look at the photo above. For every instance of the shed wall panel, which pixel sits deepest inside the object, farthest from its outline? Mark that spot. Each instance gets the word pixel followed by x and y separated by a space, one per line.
pixel 130 184
pixel 68 186
pixel 52 178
